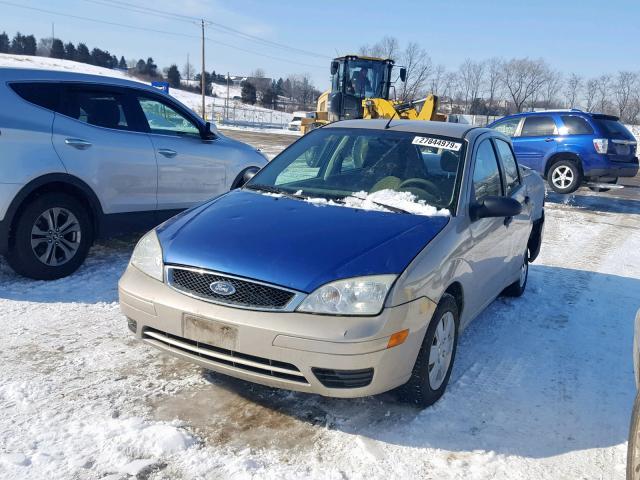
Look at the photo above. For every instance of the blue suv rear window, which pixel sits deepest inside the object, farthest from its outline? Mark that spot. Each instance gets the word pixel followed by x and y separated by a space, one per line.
pixel 575 125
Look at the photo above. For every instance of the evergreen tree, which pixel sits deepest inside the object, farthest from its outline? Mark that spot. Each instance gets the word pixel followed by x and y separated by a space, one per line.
pixel 152 68
pixel 141 67
pixel 279 87
pixel 173 76
pixel 70 52
pixel 4 43
pixel 82 54
pixel 23 44
pixel 30 45
pixel 57 49
pixel 248 93
pixel 122 64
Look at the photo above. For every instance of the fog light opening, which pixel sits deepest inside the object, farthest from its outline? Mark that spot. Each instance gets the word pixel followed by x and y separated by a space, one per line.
pixel 398 338
pixel 133 325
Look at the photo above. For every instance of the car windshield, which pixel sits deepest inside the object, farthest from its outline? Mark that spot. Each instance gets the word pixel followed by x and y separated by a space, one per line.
pixel 342 163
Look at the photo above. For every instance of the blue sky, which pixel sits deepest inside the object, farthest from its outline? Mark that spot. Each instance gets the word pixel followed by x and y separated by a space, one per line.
pixel 586 36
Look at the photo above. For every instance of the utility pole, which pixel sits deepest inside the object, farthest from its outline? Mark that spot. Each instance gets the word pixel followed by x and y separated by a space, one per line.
pixel 53 32
pixel 227 109
pixel 202 75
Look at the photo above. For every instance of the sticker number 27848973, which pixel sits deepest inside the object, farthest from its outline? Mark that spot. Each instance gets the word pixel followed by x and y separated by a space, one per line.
pixel 437 142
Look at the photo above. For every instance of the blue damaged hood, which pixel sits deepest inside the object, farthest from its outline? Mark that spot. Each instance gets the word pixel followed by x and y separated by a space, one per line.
pixel 294 243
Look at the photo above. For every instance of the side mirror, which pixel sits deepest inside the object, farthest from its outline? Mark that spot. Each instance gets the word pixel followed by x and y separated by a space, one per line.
pixel 493 207
pixel 403 74
pixel 334 67
pixel 247 175
pixel 207 133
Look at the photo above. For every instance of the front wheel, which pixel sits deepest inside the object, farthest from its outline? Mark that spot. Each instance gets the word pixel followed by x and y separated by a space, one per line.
pixel 52 237
pixel 564 177
pixel 433 366
pixel 517 288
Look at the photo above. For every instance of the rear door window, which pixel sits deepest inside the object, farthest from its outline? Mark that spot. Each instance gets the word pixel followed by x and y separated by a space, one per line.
pixel 511 176
pixel 46 95
pixel 486 174
pixel 98 106
pixel 574 125
pixel 508 126
pixel 538 126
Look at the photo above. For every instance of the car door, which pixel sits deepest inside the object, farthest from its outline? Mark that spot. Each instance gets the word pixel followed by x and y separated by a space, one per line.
pixel 189 171
pixel 518 227
pixel 94 134
pixel 536 141
pixel 491 250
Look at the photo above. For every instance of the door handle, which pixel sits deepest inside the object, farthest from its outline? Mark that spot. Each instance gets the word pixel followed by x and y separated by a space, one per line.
pixel 549 140
pixel 167 152
pixel 77 143
pixel 507 221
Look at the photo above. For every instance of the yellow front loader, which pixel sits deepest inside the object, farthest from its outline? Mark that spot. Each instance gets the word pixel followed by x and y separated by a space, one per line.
pixel 360 88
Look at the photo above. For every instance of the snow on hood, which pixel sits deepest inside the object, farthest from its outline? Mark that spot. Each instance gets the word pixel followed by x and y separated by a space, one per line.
pixel 376 201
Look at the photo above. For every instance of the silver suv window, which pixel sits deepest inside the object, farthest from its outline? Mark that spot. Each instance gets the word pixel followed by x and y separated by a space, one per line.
pixel 102 107
pixel 486 174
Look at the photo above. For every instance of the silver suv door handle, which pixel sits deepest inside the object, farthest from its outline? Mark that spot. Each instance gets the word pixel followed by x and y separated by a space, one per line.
pixel 167 152
pixel 77 143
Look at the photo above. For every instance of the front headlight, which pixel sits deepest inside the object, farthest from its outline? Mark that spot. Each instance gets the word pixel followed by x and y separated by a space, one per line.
pixel 147 256
pixel 353 296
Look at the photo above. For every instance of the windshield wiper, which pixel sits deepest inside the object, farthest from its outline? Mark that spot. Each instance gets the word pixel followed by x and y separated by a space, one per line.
pixel 275 190
pixel 383 205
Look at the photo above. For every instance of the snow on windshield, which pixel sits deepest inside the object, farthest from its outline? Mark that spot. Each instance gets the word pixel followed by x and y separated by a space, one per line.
pixel 375 201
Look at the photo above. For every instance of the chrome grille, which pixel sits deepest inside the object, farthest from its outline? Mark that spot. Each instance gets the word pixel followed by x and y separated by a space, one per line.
pixel 247 294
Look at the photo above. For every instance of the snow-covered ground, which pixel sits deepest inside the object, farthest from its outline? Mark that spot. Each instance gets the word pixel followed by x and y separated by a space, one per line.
pixel 190 99
pixel 542 386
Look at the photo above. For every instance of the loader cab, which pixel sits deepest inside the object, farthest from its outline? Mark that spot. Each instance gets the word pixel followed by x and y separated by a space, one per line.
pixel 354 78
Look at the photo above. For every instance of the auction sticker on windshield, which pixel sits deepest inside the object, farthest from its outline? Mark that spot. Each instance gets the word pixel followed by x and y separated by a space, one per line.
pixel 437 142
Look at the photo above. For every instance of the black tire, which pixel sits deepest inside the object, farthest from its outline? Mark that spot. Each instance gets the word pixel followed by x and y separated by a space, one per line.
pixel 633 448
pixel 418 390
pixel 566 167
pixel 517 288
pixel 244 176
pixel 64 260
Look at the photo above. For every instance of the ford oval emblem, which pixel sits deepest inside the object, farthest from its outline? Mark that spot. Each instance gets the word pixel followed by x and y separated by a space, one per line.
pixel 222 288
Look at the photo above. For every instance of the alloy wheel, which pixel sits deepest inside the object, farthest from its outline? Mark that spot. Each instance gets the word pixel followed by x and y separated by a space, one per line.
pixel 55 236
pixel 562 177
pixel 441 350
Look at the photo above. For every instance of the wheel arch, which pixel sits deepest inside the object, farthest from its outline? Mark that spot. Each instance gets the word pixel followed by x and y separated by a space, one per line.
pixel 54 182
pixel 559 156
pixel 457 292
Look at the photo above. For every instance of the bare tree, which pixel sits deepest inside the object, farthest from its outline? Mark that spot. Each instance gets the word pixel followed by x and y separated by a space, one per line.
pixel 419 67
pixel 257 73
pixel 471 75
pixel 625 87
pixel 436 84
pixel 591 93
pixel 573 85
pixel 494 68
pixel 550 89
pixel 449 86
pixel 187 71
pixel 604 90
pixel 523 79
pixel 388 47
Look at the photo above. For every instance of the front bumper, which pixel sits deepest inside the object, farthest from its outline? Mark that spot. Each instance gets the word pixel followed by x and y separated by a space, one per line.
pixel 296 351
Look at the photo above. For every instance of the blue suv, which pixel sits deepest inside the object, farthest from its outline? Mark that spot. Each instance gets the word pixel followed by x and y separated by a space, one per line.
pixel 571 147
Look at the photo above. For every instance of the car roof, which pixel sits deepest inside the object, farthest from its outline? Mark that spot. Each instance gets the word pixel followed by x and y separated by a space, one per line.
pixel 445 129
pixel 36 74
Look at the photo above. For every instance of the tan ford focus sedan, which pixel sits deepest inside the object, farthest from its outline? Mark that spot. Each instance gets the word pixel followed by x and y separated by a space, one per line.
pixel 346 267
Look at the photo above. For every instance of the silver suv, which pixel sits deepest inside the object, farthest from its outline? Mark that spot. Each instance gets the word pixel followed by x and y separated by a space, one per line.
pixel 86 157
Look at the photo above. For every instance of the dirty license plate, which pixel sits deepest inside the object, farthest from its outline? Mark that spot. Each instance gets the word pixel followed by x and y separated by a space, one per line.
pixel 210 332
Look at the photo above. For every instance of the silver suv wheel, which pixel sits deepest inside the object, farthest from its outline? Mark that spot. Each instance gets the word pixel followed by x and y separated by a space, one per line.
pixel 55 236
